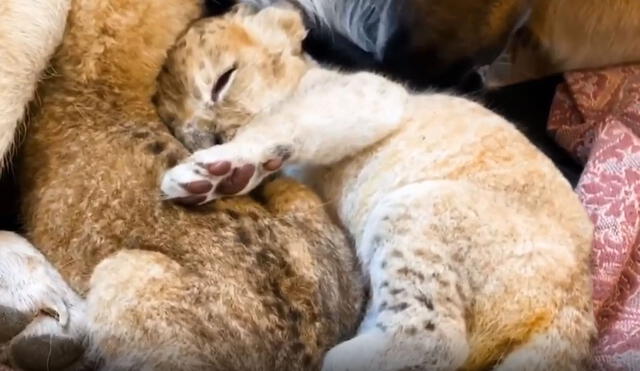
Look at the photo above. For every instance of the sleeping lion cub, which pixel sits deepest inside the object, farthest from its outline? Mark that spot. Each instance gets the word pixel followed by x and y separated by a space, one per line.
pixel 122 281
pixel 475 248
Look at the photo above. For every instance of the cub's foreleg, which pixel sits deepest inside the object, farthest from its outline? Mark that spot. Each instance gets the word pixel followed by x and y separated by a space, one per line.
pixel 332 117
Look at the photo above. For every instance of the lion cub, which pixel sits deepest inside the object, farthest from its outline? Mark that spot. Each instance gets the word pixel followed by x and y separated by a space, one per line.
pixel 475 248
pixel 124 281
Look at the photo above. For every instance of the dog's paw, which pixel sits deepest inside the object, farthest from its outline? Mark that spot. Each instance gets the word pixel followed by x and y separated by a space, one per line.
pixel 220 171
pixel 41 318
pixel 46 345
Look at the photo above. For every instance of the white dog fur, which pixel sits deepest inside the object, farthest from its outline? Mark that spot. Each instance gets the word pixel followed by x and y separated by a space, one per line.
pixel 30 31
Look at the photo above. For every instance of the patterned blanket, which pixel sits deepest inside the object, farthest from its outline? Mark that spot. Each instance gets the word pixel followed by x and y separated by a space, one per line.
pixel 596 117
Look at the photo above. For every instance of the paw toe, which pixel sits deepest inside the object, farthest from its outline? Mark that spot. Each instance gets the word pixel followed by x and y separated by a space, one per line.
pixel 237 181
pixel 45 352
pixel 219 168
pixel 198 187
pixel 273 164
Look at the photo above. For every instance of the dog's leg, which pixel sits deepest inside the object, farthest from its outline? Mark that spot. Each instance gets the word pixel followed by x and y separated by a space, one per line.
pixel 29 33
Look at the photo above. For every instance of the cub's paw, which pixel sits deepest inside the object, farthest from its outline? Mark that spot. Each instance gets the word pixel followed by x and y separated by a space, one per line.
pixel 362 353
pixel 42 322
pixel 220 171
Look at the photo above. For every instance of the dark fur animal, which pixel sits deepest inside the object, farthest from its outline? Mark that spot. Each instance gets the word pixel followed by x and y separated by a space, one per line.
pixel 441 44
pixel 423 43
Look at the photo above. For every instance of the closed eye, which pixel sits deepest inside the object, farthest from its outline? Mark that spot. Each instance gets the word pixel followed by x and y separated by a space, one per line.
pixel 222 84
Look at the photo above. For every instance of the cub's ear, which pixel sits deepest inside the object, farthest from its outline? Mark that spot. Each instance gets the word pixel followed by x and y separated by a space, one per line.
pixel 287 21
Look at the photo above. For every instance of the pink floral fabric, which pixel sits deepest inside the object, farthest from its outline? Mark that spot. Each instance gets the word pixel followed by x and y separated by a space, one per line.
pixel 596 117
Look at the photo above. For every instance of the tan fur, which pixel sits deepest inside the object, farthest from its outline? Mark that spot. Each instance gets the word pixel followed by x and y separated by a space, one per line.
pixel 569 35
pixel 236 285
pixel 457 29
pixel 556 36
pixel 476 248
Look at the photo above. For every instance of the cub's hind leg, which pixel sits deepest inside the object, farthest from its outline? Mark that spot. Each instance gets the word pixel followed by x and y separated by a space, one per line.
pixel 142 317
pixel 41 317
pixel 416 316
pixel 564 346
pixel 558 293
pixel 528 324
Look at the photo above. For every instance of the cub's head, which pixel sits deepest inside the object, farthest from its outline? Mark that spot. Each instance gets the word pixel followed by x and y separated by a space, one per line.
pixel 224 70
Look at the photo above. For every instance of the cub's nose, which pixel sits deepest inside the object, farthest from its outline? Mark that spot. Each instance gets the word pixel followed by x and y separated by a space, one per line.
pixel 195 139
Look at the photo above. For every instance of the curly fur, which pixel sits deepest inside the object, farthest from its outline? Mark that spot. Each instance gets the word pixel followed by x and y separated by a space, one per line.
pixel 131 282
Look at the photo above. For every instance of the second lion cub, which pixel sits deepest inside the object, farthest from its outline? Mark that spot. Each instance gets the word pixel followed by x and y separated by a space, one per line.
pixel 475 247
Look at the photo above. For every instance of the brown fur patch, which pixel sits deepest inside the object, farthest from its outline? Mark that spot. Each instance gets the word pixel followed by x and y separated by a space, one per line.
pixel 487 351
pixel 202 280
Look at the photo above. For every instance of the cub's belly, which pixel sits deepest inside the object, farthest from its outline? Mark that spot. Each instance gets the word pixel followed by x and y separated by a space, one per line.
pixel 461 141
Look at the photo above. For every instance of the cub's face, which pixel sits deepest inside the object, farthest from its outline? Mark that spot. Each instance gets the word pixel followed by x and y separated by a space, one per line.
pixel 225 70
